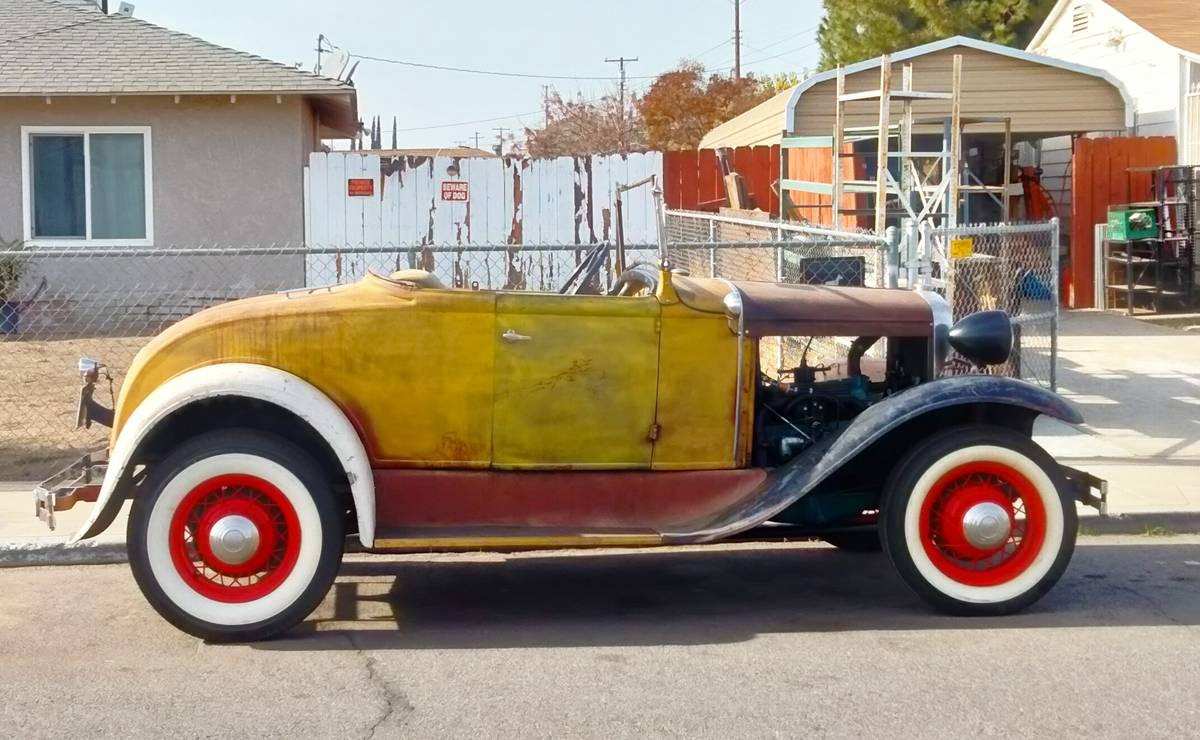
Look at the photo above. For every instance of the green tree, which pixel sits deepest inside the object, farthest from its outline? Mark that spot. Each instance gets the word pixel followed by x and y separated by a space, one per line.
pixel 777 83
pixel 860 29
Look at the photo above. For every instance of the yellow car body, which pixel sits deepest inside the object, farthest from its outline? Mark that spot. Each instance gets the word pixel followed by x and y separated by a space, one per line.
pixel 430 380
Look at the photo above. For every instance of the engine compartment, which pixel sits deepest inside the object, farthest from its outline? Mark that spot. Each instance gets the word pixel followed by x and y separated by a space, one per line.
pixel 813 402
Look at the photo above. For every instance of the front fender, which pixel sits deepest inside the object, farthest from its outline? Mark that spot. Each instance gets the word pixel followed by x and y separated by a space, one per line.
pixel 246 380
pixel 788 483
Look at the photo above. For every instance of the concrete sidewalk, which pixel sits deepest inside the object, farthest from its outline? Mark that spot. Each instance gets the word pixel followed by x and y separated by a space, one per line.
pixel 25 539
pixel 1138 385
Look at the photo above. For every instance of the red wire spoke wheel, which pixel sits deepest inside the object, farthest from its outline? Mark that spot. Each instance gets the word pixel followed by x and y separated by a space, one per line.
pixel 983 523
pixel 978 520
pixel 236 535
pixel 234 538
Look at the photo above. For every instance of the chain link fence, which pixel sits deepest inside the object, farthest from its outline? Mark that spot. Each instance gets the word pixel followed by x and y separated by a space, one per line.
pixel 57 305
pixel 1009 267
pixel 741 248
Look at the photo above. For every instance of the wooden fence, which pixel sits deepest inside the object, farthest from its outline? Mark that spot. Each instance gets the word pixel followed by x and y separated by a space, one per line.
pixel 1101 177
pixel 355 199
pixel 692 178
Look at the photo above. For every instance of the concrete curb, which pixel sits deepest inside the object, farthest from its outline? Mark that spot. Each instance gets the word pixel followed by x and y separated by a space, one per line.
pixel 1164 523
pixel 15 554
pixel 32 552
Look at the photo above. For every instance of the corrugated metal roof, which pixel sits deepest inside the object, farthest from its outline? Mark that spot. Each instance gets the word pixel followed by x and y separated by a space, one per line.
pixel 1173 21
pixel 766 122
pixel 64 47
pixel 762 124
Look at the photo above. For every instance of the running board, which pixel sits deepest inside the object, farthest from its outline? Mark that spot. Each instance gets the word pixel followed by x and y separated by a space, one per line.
pixel 497 538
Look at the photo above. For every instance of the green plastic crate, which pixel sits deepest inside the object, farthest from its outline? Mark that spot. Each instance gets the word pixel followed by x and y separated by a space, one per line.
pixel 1128 224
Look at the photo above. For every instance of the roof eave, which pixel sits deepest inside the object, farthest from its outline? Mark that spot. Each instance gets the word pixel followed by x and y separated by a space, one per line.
pixel 1044 29
pixel 947 43
pixel 160 93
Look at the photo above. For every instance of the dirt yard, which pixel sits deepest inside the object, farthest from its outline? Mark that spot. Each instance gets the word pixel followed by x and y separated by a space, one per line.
pixel 39 393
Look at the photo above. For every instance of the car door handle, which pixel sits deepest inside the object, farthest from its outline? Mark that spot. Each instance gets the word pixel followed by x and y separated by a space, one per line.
pixel 512 335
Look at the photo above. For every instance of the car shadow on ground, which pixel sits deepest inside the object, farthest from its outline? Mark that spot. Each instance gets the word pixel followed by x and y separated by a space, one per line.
pixel 697 597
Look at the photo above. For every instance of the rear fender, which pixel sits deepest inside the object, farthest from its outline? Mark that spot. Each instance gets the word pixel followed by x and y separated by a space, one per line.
pixel 788 483
pixel 248 381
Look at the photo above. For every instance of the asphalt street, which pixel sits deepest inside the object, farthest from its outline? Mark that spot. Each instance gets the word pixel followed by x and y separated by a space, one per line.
pixel 736 641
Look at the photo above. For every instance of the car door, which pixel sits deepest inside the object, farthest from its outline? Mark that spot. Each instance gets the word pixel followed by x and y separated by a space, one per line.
pixel 575 381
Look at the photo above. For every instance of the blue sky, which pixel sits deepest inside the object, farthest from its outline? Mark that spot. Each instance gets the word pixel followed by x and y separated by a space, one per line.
pixel 540 37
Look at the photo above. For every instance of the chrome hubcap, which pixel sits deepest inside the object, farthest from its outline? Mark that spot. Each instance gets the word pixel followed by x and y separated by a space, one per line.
pixel 986 525
pixel 233 539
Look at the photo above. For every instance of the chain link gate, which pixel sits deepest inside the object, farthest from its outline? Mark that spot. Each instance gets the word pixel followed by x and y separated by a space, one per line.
pixel 1009 267
pixel 735 248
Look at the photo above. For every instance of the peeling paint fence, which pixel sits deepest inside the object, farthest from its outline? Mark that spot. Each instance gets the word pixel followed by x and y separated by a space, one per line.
pixel 354 199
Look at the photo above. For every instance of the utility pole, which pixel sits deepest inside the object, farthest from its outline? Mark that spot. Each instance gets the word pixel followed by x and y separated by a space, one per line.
pixel 320 50
pixel 545 106
pixel 620 62
pixel 500 140
pixel 737 40
pixel 476 139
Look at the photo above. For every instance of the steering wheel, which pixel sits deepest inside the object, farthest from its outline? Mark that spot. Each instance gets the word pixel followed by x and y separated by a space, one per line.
pixel 640 279
pixel 586 271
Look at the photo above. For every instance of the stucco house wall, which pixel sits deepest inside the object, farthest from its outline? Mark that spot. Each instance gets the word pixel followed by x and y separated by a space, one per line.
pixel 226 174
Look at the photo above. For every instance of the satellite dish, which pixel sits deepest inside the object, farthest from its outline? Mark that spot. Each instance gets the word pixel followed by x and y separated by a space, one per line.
pixel 125 9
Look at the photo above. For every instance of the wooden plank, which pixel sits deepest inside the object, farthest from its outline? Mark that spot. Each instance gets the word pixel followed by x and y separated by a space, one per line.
pixel 743 164
pixel 406 211
pixel 955 139
pixel 707 179
pixel 835 151
pixel 335 194
pixel 688 163
pixel 1081 218
pixel 760 178
pixel 372 206
pixel 673 178
pixel 881 164
pixel 603 213
pixel 318 199
pixel 807 142
pixel 773 177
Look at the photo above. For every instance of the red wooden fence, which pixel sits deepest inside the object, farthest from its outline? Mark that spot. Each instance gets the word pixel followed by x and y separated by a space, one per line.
pixel 1100 177
pixel 693 178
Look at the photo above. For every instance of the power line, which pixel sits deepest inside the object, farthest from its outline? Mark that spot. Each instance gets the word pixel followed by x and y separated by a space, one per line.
pixel 491 72
pixel 494 118
pixel 44 31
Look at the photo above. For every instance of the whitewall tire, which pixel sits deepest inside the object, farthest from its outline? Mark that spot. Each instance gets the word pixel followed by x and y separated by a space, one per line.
pixel 235 536
pixel 978 520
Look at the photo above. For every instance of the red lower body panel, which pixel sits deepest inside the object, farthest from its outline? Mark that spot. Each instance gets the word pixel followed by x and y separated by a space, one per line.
pixel 575 499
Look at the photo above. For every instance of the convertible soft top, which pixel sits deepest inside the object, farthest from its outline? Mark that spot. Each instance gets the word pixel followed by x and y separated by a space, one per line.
pixel 785 309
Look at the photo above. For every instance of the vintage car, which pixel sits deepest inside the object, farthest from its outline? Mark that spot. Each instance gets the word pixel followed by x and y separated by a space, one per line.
pixel 259 438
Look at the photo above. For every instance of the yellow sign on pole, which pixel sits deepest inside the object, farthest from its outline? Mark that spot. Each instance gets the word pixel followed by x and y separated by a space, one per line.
pixel 962 248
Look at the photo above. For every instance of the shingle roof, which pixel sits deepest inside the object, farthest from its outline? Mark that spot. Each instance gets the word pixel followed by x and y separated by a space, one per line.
pixel 64 47
pixel 1173 21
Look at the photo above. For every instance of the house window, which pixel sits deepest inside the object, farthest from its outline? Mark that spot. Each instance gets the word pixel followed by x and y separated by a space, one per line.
pixel 87 186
